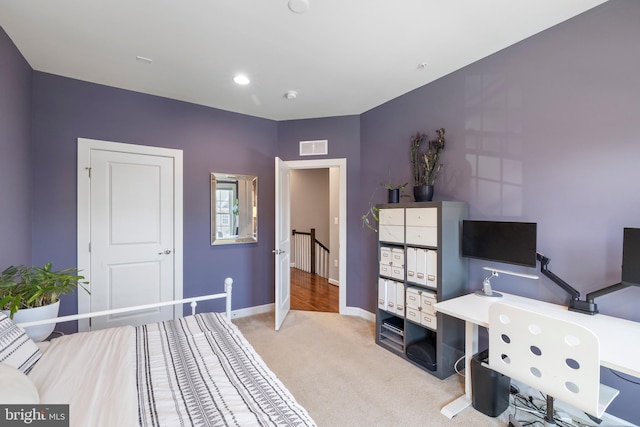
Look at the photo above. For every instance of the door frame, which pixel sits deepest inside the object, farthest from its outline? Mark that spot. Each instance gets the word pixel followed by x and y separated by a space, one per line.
pixel 341 164
pixel 83 205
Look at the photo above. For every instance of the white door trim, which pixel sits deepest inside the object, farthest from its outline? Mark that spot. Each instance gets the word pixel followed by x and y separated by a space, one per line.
pixel 342 217
pixel 83 212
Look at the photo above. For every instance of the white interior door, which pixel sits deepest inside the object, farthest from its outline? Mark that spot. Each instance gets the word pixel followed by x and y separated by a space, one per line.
pixel 283 242
pixel 132 234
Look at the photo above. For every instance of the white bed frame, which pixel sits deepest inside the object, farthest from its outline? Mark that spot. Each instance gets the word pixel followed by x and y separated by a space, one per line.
pixel 228 285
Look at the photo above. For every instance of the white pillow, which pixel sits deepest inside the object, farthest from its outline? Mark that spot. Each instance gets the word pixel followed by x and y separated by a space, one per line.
pixel 16 388
pixel 16 348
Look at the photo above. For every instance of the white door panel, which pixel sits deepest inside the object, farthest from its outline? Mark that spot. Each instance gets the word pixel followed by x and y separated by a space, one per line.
pixel 283 242
pixel 148 290
pixel 135 206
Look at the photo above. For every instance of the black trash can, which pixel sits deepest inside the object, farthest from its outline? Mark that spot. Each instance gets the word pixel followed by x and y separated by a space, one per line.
pixel 489 389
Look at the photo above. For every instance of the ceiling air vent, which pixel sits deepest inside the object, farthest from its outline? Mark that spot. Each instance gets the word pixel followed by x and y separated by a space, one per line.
pixel 314 148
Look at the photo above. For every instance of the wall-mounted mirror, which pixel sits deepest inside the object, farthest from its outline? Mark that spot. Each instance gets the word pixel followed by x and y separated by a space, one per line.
pixel 234 208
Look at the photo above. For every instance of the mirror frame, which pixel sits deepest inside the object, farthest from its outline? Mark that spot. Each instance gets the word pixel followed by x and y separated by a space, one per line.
pixel 250 205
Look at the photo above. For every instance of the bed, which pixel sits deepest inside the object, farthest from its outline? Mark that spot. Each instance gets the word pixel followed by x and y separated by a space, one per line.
pixel 193 371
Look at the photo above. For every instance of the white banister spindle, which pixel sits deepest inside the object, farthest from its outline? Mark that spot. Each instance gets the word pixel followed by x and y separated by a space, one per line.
pixel 307 253
pixel 302 251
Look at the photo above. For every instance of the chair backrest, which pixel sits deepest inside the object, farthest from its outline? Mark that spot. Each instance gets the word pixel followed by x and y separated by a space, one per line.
pixel 558 357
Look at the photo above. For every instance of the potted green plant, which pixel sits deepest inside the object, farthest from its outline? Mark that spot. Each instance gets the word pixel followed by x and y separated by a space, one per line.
pixel 425 164
pixel 394 193
pixel 32 293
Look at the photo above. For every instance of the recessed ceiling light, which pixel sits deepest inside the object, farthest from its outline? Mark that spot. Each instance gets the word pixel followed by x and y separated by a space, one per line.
pixel 298 6
pixel 422 66
pixel 144 59
pixel 241 79
pixel 291 94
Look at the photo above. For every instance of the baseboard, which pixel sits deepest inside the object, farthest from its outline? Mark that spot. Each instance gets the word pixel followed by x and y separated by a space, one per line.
pixel 250 311
pixel 358 312
pixel 334 282
pixel 266 308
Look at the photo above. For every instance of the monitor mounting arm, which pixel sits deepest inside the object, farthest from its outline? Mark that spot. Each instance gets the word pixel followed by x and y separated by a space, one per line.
pixel 595 294
pixel 574 304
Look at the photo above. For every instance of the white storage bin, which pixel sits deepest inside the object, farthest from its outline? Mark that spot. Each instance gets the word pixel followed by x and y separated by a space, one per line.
pixel 397 272
pixel 423 236
pixel 413 298
pixel 427 301
pixel 422 217
pixel 422 226
pixel 419 306
pixel 413 315
pixel 382 293
pixel 417 270
pixel 385 270
pixel 391 296
pixel 400 303
pixel 428 320
pixel 397 257
pixel 432 269
pixel 391 217
pixel 385 255
pixel 411 264
pixel 391 233
pixel 391 225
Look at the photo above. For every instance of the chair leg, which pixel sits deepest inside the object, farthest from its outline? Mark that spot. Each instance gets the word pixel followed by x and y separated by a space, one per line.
pixel 594 419
pixel 548 418
pixel 513 422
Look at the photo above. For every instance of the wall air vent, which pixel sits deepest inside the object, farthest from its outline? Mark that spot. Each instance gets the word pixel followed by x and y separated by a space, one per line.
pixel 314 148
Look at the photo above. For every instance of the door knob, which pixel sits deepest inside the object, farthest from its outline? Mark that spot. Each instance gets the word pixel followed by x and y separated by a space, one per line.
pixel 277 251
pixel 166 252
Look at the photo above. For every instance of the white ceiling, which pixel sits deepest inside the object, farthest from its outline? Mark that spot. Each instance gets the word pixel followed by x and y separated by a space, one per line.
pixel 343 57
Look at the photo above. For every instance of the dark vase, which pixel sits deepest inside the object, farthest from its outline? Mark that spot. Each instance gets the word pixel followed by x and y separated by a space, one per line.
pixel 423 193
pixel 394 195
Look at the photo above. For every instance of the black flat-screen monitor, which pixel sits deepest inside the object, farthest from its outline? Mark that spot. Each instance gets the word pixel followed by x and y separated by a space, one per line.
pixel 631 257
pixel 501 241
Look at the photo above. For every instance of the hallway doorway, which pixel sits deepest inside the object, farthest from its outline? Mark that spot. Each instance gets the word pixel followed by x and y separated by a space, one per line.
pixel 340 167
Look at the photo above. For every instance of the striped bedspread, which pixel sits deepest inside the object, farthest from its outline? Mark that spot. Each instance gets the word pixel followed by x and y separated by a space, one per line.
pixel 200 371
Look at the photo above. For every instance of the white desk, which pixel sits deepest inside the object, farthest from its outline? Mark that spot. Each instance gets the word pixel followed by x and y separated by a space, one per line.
pixel 619 343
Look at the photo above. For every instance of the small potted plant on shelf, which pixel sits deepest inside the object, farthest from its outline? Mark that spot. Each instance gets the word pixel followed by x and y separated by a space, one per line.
pixel 394 193
pixel 32 293
pixel 425 164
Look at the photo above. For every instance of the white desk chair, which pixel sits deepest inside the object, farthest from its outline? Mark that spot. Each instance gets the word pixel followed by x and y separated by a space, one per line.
pixel 558 357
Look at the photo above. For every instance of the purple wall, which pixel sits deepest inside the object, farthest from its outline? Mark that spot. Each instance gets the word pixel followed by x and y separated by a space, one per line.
pixel 343 134
pixel 545 131
pixel 15 169
pixel 211 140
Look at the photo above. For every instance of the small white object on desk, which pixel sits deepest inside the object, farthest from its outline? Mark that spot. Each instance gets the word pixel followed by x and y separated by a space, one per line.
pixel 486 283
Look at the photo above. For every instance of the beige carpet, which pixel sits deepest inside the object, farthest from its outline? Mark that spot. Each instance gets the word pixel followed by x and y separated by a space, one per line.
pixel 333 367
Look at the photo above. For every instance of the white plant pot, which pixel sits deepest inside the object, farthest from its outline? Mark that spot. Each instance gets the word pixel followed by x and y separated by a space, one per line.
pixel 37 333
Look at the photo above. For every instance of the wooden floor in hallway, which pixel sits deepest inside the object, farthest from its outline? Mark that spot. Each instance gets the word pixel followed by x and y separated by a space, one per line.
pixel 311 292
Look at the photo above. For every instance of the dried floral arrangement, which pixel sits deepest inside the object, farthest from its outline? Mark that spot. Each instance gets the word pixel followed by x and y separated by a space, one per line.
pixel 425 158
